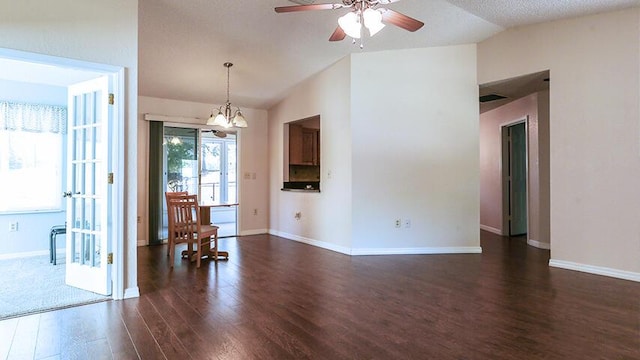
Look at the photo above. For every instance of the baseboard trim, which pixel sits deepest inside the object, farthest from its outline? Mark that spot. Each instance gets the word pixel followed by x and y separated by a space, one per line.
pixel 418 251
pixel 379 251
pixel 130 293
pixel 142 243
pixel 320 244
pixel 491 229
pixel 597 270
pixel 24 254
pixel 254 232
pixel 538 244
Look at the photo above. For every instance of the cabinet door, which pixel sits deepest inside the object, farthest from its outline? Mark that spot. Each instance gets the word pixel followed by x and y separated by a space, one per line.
pixel 309 145
pixel 295 144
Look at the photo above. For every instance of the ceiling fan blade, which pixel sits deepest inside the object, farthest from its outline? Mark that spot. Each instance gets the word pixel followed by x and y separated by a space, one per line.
pixel 338 35
pixel 400 20
pixel 385 2
pixel 292 8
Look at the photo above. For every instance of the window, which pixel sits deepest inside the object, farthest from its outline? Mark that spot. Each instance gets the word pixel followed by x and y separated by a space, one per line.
pixel 31 156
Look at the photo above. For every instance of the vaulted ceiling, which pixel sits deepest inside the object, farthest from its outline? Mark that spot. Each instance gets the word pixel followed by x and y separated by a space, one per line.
pixel 183 44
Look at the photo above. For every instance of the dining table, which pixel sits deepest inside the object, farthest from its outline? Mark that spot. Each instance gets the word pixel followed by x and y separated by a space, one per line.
pixel 205 219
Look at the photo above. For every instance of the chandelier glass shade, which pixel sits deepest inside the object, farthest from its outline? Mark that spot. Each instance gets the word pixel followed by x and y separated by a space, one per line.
pixel 226 117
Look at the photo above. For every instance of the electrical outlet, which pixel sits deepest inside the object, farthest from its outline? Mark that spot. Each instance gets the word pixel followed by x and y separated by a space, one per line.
pixel 398 223
pixel 255 211
pixel 407 223
pixel 13 226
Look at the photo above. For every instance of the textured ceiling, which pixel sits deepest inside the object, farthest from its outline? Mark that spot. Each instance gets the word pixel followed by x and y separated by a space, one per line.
pixel 510 13
pixel 183 44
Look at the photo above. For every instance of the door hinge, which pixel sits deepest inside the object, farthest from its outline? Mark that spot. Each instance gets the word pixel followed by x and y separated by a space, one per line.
pixel 110 178
pixel 110 258
pixel 111 99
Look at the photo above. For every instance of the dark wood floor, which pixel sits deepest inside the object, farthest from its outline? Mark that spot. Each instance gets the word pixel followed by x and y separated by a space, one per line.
pixel 278 299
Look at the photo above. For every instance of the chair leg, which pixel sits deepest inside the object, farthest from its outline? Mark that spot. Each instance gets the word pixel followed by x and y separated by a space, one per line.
pixel 215 246
pixel 198 253
pixel 53 249
pixel 172 252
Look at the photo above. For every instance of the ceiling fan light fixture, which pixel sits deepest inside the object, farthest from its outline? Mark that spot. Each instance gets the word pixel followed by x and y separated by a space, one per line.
pixel 350 23
pixel 372 21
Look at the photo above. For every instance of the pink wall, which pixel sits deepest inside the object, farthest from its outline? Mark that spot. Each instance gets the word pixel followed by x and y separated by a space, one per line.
pixel 491 165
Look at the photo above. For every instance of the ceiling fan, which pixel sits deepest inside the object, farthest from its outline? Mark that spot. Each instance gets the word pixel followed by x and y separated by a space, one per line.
pixel 217 133
pixel 365 12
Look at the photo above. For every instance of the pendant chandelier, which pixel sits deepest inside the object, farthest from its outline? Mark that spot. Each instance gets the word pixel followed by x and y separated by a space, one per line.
pixel 226 117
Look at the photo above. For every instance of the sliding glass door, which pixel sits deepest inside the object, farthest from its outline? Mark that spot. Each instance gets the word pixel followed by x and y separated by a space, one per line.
pixel 196 161
pixel 218 180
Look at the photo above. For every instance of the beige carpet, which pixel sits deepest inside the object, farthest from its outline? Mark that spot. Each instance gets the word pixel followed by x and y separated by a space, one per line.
pixel 31 285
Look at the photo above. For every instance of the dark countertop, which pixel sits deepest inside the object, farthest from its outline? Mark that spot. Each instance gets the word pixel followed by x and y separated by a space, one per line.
pixel 302 186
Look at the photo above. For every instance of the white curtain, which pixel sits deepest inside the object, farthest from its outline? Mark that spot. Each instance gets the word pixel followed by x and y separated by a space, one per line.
pixel 33 117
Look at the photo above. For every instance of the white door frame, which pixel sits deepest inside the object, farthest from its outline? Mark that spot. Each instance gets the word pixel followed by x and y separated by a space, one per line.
pixel 117 77
pixel 504 175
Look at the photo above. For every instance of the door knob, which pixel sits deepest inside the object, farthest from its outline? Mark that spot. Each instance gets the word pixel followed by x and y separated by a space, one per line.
pixel 66 194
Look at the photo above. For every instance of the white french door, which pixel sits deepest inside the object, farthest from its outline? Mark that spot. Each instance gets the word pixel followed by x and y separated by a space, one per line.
pixel 88 197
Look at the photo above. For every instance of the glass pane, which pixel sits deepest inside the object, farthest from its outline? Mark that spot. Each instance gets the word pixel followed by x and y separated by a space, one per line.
pixel 97 220
pixel 182 159
pixel 78 213
pixel 86 249
pixel 88 216
pixel 88 143
pixel 98 180
pixel 96 251
pixel 78 144
pixel 97 112
pixel 97 138
pixel 74 214
pixel 77 247
pixel 231 173
pixel 88 178
pixel 77 113
pixel 89 111
pixel 210 179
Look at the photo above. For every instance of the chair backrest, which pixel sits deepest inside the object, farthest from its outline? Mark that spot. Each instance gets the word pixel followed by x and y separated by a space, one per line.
pixel 184 219
pixel 167 196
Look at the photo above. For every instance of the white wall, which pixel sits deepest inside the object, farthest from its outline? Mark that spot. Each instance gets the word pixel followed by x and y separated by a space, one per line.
pixel 17 91
pixel 399 133
pixel 594 130
pixel 326 216
pixel 252 152
pixel 415 146
pixel 104 32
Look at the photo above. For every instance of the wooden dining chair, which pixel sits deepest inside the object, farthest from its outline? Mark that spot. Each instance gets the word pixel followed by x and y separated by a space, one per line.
pixel 171 234
pixel 184 217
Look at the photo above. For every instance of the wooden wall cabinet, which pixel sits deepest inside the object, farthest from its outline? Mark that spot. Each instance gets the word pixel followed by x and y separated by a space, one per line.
pixel 304 146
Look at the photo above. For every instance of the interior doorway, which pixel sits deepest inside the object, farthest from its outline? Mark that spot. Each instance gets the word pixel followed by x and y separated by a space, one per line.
pixel 515 177
pixel 31 81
